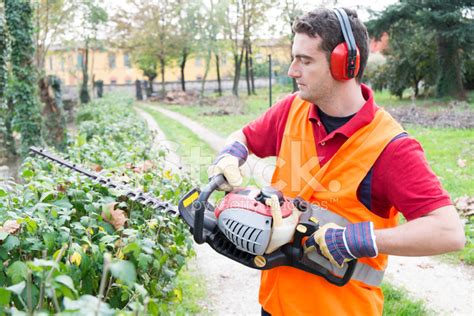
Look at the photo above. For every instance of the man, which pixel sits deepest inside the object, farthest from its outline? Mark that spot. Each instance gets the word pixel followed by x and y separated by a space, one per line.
pixel 337 149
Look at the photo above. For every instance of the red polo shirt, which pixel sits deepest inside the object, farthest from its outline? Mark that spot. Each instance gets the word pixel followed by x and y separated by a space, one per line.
pixel 400 177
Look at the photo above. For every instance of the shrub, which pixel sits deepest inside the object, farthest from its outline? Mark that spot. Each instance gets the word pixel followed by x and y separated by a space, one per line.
pixel 59 237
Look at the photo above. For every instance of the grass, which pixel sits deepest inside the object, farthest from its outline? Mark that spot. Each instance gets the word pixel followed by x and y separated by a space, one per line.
pixel 191 291
pixel 385 99
pixel 196 155
pixel 397 302
pixel 443 146
pixel 447 150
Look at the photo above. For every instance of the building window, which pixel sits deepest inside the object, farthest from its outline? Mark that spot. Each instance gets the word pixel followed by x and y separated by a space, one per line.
pixel 198 62
pixel 126 60
pixel 62 64
pixel 50 62
pixel 112 61
pixel 113 81
pixel 80 60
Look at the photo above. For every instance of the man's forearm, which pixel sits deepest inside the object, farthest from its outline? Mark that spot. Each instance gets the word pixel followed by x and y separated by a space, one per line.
pixel 438 232
pixel 236 136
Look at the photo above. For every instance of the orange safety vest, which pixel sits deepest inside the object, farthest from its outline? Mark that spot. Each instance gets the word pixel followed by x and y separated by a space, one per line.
pixel 289 291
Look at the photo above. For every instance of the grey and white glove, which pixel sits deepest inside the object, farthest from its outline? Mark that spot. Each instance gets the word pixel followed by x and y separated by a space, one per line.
pixel 228 163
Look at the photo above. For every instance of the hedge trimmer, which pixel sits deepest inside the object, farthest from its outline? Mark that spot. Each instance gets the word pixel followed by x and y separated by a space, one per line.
pixel 260 229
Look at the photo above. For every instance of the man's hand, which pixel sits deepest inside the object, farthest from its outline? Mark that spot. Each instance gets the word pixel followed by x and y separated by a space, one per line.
pixel 228 163
pixel 342 244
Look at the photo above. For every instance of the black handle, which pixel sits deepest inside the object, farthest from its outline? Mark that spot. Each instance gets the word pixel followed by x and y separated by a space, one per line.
pixel 200 206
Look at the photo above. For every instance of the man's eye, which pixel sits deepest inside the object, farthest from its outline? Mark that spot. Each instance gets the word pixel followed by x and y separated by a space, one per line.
pixel 305 61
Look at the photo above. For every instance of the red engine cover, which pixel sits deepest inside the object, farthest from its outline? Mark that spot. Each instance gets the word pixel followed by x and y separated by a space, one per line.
pixel 245 199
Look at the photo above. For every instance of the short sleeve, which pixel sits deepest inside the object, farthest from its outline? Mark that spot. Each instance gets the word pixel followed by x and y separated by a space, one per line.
pixel 265 133
pixel 404 179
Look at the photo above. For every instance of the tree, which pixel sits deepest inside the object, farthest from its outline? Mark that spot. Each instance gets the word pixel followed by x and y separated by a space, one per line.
pixel 148 64
pixel 290 11
pixel 452 27
pixel 6 138
pixel 411 60
pixel 91 16
pixel 253 13
pixel 22 93
pixel 233 32
pixel 242 18
pixel 189 23
pixel 149 27
pixel 208 43
pixel 51 18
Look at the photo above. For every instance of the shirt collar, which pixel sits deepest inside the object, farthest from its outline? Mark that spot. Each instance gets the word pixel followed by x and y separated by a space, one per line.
pixel 363 117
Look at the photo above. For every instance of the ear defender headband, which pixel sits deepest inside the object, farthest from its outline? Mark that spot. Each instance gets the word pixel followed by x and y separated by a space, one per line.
pixel 345 58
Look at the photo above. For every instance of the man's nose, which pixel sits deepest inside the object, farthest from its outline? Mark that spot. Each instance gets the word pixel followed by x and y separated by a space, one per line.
pixel 293 72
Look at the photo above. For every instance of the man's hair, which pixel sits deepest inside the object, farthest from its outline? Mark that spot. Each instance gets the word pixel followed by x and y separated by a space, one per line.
pixel 324 23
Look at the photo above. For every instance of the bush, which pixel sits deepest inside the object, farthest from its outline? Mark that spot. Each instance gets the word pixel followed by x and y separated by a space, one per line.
pixel 60 235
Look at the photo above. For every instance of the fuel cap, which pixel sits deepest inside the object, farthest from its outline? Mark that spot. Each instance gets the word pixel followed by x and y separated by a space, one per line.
pixel 267 192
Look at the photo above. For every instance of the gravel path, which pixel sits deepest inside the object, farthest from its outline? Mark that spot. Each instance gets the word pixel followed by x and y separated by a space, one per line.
pixel 233 288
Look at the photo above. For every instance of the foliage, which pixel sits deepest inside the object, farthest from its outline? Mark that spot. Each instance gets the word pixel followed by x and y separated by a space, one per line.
pixel 146 63
pixel 411 60
pixel 452 28
pixel 3 82
pixel 22 90
pixel 59 258
pixel 398 303
pixel 148 29
pixel 241 20
pixel 53 112
pixel 195 154
pixel 188 29
pixel 93 14
pixel 467 254
pixel 51 19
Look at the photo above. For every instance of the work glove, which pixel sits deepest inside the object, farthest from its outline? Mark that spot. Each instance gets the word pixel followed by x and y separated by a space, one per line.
pixel 228 163
pixel 342 244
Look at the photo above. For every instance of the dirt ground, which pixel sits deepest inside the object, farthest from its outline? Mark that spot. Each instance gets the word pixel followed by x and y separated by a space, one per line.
pixel 453 116
pixel 233 289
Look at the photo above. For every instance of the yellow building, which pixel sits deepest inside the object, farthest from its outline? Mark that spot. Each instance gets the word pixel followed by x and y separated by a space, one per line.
pixel 114 66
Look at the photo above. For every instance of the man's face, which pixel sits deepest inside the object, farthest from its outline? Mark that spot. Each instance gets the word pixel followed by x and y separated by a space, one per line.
pixel 310 69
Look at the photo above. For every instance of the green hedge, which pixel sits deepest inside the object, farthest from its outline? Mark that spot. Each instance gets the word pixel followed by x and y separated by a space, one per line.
pixel 56 260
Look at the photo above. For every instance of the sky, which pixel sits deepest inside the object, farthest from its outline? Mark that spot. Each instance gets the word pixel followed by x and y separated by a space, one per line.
pixel 275 28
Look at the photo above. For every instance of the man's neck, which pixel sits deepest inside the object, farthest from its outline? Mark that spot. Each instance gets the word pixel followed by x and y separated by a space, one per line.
pixel 345 99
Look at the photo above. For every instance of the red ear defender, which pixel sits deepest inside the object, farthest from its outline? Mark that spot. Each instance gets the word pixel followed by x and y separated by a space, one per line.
pixel 345 57
pixel 339 62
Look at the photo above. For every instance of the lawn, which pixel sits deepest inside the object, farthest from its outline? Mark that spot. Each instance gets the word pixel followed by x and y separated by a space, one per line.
pixel 449 151
pixel 397 301
pixel 195 154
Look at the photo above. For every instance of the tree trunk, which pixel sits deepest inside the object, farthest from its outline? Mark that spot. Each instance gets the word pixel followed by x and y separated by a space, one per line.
pixel 150 86
pixel 162 69
pixel 237 69
pixel 247 70
pixel 5 110
pixel 10 141
pixel 295 85
pixel 219 86
pixel 252 75
pixel 138 90
pixel 23 89
pixel 184 57
pixel 449 78
pixel 50 96
pixel 206 71
pixel 416 81
pixel 84 95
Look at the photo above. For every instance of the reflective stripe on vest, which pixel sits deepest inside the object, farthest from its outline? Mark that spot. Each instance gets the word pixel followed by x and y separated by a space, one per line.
pixel 363 272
